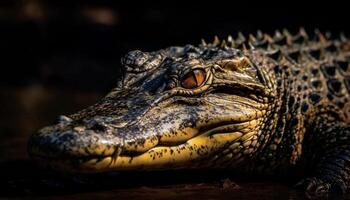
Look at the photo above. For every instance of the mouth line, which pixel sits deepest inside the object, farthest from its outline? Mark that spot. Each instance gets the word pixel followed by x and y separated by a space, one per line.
pixel 226 127
pixel 221 129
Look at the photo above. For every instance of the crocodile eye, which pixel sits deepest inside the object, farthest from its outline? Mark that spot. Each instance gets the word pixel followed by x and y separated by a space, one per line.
pixel 193 79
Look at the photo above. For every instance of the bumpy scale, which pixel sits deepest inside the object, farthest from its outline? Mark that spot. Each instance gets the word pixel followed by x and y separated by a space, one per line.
pixel 264 104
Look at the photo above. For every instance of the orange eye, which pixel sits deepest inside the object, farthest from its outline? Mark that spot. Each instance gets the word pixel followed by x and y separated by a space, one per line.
pixel 193 79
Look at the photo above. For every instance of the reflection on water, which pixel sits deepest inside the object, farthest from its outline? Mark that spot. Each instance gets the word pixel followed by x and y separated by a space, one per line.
pixel 25 110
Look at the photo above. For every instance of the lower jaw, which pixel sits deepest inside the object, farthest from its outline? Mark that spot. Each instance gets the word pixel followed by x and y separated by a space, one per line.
pixel 103 166
pixel 187 155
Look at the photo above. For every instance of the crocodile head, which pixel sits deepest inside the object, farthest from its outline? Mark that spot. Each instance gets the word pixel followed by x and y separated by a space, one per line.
pixel 180 107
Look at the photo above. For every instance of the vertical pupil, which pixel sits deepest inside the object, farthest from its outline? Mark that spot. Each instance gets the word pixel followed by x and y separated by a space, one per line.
pixel 193 79
pixel 199 74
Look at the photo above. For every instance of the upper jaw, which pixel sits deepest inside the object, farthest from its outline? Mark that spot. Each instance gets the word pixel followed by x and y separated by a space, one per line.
pixel 78 142
pixel 102 144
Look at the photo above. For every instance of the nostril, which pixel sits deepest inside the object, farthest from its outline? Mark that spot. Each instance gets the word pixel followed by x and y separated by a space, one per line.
pixel 63 119
pixel 99 127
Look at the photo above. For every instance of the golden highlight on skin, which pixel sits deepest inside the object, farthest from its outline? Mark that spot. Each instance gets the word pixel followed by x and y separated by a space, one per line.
pixel 157 157
pixel 176 156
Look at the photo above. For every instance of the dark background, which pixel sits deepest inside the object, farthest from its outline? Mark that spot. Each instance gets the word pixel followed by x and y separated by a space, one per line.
pixel 58 57
pixel 78 44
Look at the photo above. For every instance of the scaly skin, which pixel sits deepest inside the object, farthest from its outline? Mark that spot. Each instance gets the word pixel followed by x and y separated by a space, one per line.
pixel 284 102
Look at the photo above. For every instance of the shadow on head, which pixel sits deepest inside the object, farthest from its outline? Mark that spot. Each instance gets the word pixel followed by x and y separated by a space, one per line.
pixel 180 107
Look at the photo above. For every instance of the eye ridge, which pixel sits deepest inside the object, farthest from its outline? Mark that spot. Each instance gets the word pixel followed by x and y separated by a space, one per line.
pixel 193 79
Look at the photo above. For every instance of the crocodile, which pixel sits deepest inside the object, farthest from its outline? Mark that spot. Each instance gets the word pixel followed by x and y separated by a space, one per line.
pixel 261 103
